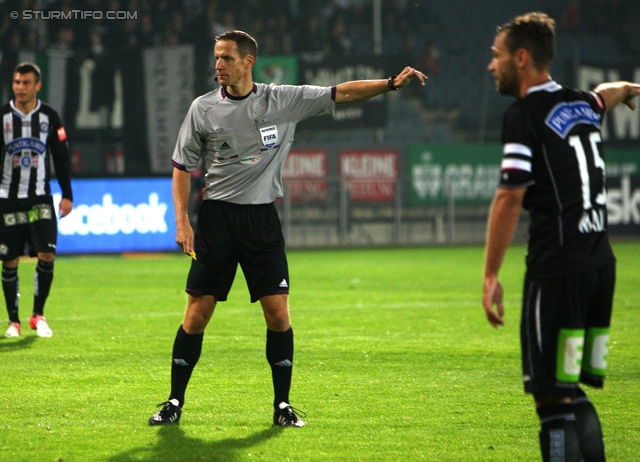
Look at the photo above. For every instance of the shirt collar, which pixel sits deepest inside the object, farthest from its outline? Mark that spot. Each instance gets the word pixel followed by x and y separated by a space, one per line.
pixel 550 86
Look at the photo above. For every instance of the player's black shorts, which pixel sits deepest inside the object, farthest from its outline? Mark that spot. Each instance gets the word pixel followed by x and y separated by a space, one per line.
pixel 564 331
pixel 230 234
pixel 29 222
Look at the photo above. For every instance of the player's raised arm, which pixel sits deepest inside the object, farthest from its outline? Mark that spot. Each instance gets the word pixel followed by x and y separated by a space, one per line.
pixel 614 93
pixel 360 90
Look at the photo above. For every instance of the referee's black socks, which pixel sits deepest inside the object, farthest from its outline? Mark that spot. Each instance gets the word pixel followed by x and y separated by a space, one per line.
pixel 186 352
pixel 280 358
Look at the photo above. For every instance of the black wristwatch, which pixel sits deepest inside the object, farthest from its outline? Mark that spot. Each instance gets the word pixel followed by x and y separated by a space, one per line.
pixel 390 83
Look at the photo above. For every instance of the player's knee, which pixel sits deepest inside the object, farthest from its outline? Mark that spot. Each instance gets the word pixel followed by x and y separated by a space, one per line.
pixel 195 323
pixel 278 324
pixel 277 320
pixel 549 400
pixel 198 313
pixel 276 312
pixel 11 263
pixel 46 256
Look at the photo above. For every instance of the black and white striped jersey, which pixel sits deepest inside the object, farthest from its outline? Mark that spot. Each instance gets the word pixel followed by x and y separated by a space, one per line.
pixel 552 146
pixel 30 142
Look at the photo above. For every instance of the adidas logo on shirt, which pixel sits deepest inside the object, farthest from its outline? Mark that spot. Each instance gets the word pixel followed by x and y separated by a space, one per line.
pixel 284 283
pixel 225 146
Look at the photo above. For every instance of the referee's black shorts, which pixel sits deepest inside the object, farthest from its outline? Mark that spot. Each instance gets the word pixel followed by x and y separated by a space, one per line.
pixel 229 234
pixel 564 331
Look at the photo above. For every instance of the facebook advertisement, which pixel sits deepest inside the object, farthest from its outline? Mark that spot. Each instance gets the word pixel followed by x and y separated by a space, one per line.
pixel 117 215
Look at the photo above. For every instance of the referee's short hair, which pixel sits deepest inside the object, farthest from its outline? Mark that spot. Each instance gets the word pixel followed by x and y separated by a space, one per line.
pixel 247 45
pixel 28 67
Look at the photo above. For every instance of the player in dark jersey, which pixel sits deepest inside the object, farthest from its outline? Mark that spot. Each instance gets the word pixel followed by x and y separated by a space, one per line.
pixel 553 166
pixel 243 132
pixel 33 137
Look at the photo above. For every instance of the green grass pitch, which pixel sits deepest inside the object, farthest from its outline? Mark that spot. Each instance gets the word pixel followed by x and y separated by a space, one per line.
pixel 394 362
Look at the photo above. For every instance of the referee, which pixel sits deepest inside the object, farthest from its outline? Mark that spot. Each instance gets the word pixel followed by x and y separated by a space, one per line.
pixel 33 138
pixel 553 166
pixel 244 131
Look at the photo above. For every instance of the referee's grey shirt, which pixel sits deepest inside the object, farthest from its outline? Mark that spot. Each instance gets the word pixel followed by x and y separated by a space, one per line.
pixel 245 141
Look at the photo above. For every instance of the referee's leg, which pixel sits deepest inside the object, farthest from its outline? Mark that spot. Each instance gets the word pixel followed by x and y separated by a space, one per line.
pixel 188 343
pixel 279 344
pixel 187 347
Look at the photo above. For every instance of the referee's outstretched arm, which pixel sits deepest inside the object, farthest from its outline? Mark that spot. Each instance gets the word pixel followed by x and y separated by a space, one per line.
pixel 360 90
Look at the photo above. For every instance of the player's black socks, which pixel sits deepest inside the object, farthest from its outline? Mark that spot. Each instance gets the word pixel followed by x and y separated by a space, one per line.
pixel 41 285
pixel 11 288
pixel 559 433
pixel 280 358
pixel 186 352
pixel 589 429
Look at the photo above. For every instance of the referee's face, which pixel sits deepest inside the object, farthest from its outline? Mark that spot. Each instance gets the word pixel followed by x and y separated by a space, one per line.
pixel 25 89
pixel 503 68
pixel 231 68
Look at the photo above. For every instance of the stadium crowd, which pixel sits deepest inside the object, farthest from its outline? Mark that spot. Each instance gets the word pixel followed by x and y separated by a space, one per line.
pixel 417 31
pixel 311 27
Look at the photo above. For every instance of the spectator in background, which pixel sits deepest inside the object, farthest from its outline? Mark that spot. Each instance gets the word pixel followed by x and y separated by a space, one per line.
pixel 198 28
pixel 597 15
pixel 340 41
pixel 279 41
pixel 258 29
pixel 175 30
pixel 147 35
pixel 130 35
pixel 31 41
pixel 169 37
pixel 310 41
pixel 13 40
pixel 631 26
pixel 391 35
pixel 411 48
pixel 570 19
pixel 223 20
pixel 430 59
pixel 96 45
pixel 64 39
pixel 102 90
pixel 192 9
pixel 162 12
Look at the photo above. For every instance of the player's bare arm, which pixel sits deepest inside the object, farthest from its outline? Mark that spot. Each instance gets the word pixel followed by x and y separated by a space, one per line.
pixel 614 93
pixel 181 188
pixel 65 207
pixel 360 90
pixel 503 218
